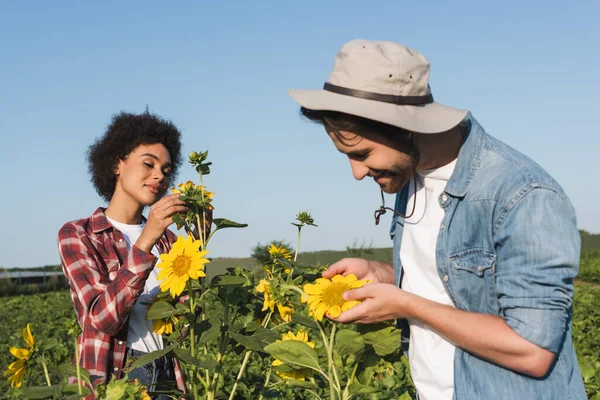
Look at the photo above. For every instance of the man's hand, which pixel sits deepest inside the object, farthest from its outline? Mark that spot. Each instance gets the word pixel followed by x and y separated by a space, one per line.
pixel 380 302
pixel 375 271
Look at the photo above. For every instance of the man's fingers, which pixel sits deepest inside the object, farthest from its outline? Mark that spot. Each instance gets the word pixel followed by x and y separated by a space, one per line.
pixel 339 267
pixel 352 315
pixel 357 294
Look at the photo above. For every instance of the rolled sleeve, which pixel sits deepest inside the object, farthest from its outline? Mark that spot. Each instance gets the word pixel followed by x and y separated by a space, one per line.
pixel 538 247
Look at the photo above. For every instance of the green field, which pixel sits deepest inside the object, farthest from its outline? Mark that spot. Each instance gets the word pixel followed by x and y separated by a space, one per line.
pixel 49 312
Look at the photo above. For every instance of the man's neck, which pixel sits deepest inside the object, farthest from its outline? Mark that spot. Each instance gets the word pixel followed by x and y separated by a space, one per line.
pixel 439 149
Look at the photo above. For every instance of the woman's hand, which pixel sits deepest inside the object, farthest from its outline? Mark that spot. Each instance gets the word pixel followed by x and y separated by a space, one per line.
pixel 159 218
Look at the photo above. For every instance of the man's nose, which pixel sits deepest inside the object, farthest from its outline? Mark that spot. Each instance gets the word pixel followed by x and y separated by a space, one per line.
pixel 359 170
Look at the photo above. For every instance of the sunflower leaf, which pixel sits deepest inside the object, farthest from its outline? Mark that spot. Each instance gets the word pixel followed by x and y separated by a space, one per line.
pixel 296 353
pixel 222 223
pixel 304 320
pixel 385 339
pixel 186 357
pixel 258 341
pixel 148 358
pixel 357 388
pixel 70 370
pixel 224 280
pixel 40 392
pixel 161 310
pixel 349 342
pixel 73 391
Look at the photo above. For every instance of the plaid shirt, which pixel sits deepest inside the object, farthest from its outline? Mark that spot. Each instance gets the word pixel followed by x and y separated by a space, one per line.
pixel 106 279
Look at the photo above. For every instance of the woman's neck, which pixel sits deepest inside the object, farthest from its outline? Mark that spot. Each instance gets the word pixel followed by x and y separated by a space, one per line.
pixel 124 209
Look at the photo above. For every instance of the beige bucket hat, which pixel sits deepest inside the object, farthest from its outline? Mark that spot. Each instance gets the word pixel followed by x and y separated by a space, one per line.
pixel 385 82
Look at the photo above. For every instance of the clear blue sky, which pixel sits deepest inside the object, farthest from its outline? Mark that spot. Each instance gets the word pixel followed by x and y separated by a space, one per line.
pixel 220 70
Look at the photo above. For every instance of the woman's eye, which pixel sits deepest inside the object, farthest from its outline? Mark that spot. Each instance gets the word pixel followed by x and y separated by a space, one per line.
pixel 149 165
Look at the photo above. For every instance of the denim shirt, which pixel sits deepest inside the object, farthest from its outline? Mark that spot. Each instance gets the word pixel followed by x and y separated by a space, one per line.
pixel 509 246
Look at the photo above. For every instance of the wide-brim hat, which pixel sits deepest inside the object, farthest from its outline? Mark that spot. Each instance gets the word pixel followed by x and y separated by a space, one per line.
pixel 385 82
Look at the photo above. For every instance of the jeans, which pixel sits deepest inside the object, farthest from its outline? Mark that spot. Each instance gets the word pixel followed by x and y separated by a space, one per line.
pixel 156 375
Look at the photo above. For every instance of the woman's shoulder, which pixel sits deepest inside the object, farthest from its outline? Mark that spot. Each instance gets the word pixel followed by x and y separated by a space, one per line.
pixel 84 226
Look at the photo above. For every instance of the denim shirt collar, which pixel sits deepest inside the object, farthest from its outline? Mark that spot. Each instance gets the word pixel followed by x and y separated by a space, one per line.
pixel 469 158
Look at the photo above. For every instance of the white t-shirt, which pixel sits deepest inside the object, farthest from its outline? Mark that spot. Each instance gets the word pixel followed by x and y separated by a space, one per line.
pixel 140 335
pixel 431 356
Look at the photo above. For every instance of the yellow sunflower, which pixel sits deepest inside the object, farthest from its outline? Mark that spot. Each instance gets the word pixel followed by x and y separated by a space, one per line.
pixel 325 295
pixel 285 312
pixel 16 370
pixel 279 252
pixel 298 374
pixel 164 326
pixel 265 288
pixel 183 262
pixel 183 187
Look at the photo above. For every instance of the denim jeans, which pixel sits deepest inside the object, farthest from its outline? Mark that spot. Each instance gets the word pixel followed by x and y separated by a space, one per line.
pixel 155 375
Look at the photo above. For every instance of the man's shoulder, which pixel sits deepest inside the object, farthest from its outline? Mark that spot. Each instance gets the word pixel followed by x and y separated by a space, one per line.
pixel 505 174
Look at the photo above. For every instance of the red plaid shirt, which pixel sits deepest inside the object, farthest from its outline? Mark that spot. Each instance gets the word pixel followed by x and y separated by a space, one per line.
pixel 106 279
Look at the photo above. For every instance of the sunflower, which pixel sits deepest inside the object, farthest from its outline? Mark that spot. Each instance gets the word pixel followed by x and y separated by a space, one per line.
pixel 265 288
pixel 325 295
pixel 298 374
pixel 16 370
pixel 164 326
pixel 279 252
pixel 285 312
pixel 183 262
pixel 190 189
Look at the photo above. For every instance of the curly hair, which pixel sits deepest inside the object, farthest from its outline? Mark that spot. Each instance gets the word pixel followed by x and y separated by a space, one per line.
pixel 124 134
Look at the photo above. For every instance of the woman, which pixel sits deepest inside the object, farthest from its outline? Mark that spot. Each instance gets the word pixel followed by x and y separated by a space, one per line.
pixel 109 257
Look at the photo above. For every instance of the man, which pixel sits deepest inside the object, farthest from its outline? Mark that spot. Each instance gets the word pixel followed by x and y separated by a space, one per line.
pixel 486 244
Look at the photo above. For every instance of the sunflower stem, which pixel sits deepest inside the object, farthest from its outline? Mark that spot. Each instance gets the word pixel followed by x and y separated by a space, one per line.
pixel 297 244
pixel 332 389
pixel 246 358
pixel 77 367
pixel 45 370
pixel 335 374
pixel 350 380
pixel 266 382
pixel 240 374
pixel 192 335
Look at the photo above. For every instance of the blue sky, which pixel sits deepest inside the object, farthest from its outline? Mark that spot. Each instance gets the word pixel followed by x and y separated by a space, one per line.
pixel 220 70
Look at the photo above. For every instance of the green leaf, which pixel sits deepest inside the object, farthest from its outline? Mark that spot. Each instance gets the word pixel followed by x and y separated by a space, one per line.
pixel 208 364
pixel 48 344
pixel 161 309
pixel 405 396
pixel 185 356
pixel 148 358
pixel 210 334
pixel 304 320
pixel 349 342
pixel 385 339
pixel 73 391
pixel 258 341
pixel 41 392
pixel 357 388
pixel 69 369
pixel 224 280
pixel 222 223
pixel 294 352
pixel 302 384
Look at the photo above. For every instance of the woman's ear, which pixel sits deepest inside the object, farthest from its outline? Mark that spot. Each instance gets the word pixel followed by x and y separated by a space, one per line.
pixel 118 167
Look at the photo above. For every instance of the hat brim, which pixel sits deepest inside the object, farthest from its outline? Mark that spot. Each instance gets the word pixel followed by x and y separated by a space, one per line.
pixel 429 118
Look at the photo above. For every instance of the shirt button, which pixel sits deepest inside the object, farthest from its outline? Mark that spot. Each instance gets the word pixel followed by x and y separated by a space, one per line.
pixel 445 278
pixel 442 227
pixel 444 197
pixel 116 369
pixel 120 342
pixel 120 240
pixel 479 268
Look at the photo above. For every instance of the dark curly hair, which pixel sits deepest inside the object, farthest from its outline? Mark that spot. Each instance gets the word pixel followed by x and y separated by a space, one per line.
pixel 126 132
